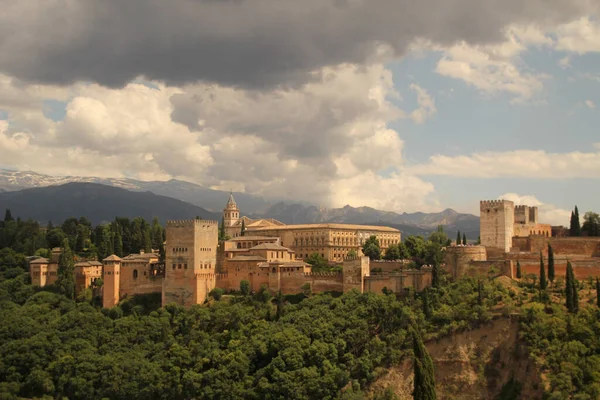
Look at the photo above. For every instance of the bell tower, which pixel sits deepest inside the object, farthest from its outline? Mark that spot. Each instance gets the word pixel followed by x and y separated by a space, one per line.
pixel 231 214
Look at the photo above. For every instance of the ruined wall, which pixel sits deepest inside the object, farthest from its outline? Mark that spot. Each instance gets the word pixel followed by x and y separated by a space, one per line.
pixel 390 266
pixel 397 282
pixel 457 258
pixel 355 270
pixel 502 267
pixel 324 282
pixel 497 224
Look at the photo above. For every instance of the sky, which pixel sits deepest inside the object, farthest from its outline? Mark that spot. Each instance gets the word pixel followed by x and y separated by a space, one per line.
pixel 395 104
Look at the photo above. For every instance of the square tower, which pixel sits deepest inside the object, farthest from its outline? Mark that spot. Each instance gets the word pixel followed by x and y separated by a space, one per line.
pixel 497 219
pixel 191 258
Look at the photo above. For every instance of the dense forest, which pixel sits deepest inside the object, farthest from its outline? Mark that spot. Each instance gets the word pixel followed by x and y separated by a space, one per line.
pixel 260 346
pixel 121 237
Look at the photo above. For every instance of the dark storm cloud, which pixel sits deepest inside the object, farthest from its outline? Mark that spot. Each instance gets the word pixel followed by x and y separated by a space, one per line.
pixel 247 43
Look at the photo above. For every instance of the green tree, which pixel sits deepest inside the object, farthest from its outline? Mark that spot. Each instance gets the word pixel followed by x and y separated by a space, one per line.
pixel 318 262
pixel 371 248
pixel 8 215
pixel 551 275
pixel 598 292
pixel 424 377
pixel 118 243
pixel 464 240
pixel 519 274
pixel 426 304
pixel 243 230
pixel 591 223
pixel 478 242
pixel 352 254
pixel 439 236
pixel 280 304
pixel 415 246
pixel 458 238
pixel 543 281
pixel 216 293
pixel 575 227
pixel 222 229
pixel 435 276
pixel 571 290
pixel 245 287
pixel 65 274
pixel 392 252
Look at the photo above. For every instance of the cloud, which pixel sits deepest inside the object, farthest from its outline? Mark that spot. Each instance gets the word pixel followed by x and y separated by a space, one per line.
pixel 580 36
pixel 426 105
pixel 548 213
pixel 242 43
pixel 324 142
pixel 496 68
pixel 590 104
pixel 517 163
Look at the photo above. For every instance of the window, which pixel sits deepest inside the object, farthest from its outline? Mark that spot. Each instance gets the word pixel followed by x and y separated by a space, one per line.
pixel 184 266
pixel 178 266
pixel 135 274
pixel 173 266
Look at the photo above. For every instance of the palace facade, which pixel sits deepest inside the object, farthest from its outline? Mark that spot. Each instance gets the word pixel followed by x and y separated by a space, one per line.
pixel 334 242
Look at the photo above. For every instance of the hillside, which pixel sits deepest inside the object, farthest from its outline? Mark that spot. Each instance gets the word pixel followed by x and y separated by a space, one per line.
pixel 99 203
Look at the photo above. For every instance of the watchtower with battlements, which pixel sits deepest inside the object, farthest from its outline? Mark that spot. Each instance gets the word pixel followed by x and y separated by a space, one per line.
pixel 497 219
pixel 191 258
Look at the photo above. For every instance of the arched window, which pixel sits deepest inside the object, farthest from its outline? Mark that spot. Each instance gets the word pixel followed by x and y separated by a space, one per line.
pixel 135 274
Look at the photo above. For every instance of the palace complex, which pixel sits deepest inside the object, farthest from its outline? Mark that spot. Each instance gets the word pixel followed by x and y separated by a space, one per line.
pixel 268 254
pixel 334 242
pixel 512 233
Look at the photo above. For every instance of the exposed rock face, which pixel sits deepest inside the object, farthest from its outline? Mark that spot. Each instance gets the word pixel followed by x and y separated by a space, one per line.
pixel 478 364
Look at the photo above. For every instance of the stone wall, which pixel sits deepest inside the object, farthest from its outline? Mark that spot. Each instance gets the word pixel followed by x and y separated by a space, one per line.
pixel 397 282
pixel 458 257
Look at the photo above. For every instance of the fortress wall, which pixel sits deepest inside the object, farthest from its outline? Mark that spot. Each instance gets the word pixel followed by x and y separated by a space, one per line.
pixel 574 247
pixel 322 282
pixel 457 258
pixel 375 284
pixel 143 284
pixel 389 266
pixel 504 267
pixel 582 268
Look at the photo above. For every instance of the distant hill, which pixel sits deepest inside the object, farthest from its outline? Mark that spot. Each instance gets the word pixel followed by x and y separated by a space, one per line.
pixel 254 206
pixel 99 203
pixel 410 224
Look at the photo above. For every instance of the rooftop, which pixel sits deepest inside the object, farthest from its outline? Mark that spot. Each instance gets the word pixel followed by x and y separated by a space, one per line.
pixel 112 257
pixel 329 226
pixel 40 260
pixel 247 258
pixel 269 246
pixel 248 238
pixel 92 263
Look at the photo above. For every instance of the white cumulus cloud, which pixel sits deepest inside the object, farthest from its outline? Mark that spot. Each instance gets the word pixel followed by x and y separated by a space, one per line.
pixel 548 213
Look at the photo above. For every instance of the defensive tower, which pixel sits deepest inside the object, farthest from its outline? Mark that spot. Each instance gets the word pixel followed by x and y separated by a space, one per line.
pixel 497 219
pixel 112 281
pixel 191 258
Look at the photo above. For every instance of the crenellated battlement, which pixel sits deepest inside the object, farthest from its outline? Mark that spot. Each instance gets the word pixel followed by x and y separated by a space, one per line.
pixel 323 274
pixel 521 208
pixel 190 222
pixel 493 203
pixel 205 275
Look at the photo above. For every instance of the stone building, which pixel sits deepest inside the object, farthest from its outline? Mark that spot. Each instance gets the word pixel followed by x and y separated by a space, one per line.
pixel 189 272
pixel 510 234
pixel 334 242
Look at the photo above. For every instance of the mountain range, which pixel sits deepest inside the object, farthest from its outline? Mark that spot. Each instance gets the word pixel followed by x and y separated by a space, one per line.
pixel 197 200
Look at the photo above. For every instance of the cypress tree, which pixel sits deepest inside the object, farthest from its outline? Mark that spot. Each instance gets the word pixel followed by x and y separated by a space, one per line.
pixel 279 300
pixel 243 231
pixel 222 229
pixel 543 281
pixel 435 276
pixel 424 380
pixel 464 239
pixel 8 215
pixel 480 293
pixel 426 305
pixel 518 270
pixel 575 226
pixel 550 264
pixel 458 238
pixel 571 290
pixel 118 243
pixel 66 278
pixel 598 292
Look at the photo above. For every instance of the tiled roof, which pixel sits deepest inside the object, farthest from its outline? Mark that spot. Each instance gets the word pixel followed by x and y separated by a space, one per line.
pixel 269 246
pixel 112 257
pixel 40 260
pixel 250 238
pixel 247 258
pixel 92 263
pixel 329 226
